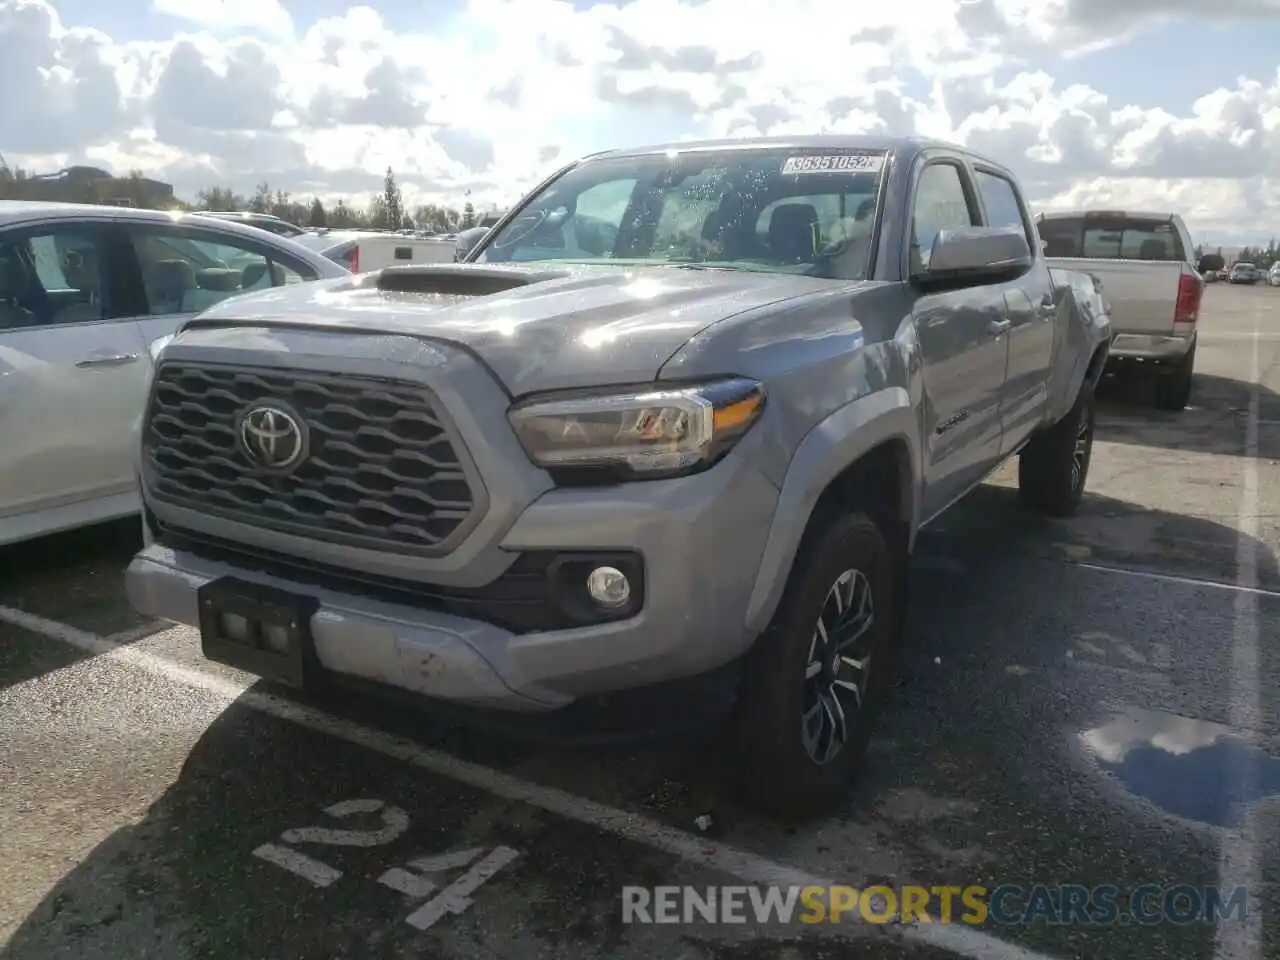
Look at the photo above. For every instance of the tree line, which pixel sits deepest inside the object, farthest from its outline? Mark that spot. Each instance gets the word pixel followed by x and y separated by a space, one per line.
pixel 1262 257
pixel 383 211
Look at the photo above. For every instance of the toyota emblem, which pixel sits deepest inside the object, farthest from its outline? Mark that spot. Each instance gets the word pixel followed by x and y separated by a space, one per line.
pixel 272 438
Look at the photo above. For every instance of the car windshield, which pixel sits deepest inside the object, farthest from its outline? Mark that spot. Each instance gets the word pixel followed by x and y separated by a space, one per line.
pixel 807 212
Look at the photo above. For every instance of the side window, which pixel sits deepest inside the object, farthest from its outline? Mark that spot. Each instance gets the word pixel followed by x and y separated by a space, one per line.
pixel 51 276
pixel 1001 202
pixel 187 271
pixel 591 231
pixel 941 204
pixel 606 201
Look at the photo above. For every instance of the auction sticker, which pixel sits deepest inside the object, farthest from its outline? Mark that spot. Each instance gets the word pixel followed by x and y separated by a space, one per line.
pixel 837 163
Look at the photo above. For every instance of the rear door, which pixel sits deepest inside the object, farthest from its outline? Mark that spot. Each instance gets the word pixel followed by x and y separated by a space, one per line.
pixel 1139 260
pixel 73 369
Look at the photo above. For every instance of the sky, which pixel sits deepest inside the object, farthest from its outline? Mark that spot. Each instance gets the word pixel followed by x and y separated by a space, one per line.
pixel 1141 104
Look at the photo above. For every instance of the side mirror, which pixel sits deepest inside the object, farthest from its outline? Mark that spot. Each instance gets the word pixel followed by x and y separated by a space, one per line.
pixel 1210 263
pixel 973 255
pixel 467 241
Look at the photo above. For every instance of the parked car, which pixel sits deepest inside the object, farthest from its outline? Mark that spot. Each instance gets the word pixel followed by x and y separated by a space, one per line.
pixel 467 239
pixel 263 221
pixel 1273 275
pixel 361 251
pixel 87 294
pixel 1153 287
pixel 1244 272
pixel 689 464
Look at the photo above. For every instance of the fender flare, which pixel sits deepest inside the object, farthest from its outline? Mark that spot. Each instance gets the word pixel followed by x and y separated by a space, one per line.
pixel 824 453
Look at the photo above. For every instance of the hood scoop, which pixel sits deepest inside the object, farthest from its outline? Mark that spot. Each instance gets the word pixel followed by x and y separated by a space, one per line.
pixel 456 280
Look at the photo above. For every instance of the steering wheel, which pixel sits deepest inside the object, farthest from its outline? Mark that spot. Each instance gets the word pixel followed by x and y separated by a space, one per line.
pixel 521 228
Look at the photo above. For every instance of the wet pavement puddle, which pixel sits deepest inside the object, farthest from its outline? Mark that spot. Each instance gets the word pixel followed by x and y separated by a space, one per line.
pixel 1189 768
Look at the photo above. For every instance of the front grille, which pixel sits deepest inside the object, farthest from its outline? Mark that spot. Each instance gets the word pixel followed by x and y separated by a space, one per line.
pixel 381 470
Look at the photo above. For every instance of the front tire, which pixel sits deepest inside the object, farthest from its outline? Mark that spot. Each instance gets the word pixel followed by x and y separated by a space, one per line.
pixel 1054 467
pixel 815 681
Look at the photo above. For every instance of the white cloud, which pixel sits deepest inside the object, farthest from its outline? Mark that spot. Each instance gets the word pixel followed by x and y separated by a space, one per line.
pixel 267 16
pixel 1169 732
pixel 495 95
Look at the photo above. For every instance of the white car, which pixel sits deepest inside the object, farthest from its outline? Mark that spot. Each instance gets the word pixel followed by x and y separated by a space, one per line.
pixel 1273 275
pixel 263 221
pixel 88 296
pixel 1244 273
pixel 361 250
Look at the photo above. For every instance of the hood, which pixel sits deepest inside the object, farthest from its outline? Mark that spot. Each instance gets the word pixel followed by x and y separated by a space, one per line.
pixel 536 328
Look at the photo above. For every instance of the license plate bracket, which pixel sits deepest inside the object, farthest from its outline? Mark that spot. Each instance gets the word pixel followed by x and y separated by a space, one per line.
pixel 261 630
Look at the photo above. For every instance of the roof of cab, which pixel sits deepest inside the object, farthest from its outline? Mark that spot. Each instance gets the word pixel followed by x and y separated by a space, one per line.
pixel 1102 211
pixel 13 212
pixel 903 147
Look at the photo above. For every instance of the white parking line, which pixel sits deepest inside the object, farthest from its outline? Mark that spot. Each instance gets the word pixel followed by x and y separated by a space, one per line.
pixel 130 635
pixel 1238 336
pixel 1237 587
pixel 701 851
pixel 1238 857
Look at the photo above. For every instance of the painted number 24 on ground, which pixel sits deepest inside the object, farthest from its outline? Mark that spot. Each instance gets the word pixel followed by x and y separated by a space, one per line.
pixel 417 879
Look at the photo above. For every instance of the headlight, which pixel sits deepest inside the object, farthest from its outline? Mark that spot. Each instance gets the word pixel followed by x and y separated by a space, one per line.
pixel 638 435
pixel 159 344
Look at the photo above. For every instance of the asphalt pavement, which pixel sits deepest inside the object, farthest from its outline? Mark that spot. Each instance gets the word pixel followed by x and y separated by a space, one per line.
pixel 1088 702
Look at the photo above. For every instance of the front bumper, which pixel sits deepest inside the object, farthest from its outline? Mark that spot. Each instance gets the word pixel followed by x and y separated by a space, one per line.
pixel 701 540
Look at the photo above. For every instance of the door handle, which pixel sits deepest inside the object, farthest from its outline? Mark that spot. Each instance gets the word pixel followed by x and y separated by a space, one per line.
pixel 112 361
pixel 999 327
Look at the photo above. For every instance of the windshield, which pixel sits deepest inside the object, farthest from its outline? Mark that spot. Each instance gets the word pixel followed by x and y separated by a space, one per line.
pixel 778 211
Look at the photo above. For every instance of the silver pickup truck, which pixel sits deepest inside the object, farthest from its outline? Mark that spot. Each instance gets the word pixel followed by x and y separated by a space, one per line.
pixel 1145 263
pixel 664 442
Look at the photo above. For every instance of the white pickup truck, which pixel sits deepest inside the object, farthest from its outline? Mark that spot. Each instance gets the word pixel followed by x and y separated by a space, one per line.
pixel 362 251
pixel 1144 262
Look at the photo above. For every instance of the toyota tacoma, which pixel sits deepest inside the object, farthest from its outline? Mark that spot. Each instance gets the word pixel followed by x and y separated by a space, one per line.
pixel 670 429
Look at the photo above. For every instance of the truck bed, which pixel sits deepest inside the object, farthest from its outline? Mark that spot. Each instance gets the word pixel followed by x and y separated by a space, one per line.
pixel 1143 294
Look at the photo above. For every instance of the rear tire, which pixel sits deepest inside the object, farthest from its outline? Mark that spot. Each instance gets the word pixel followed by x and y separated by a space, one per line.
pixel 815 681
pixel 1054 467
pixel 1173 389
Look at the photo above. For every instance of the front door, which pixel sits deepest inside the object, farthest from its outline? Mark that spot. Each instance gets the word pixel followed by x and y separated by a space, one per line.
pixel 964 348
pixel 72 372
pixel 1031 310
pixel 186 268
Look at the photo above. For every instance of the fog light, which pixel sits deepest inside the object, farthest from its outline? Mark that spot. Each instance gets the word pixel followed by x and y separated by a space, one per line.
pixel 276 637
pixel 608 586
pixel 237 628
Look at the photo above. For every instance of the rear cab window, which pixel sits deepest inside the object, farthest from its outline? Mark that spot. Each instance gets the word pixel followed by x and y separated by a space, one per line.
pixel 1112 237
